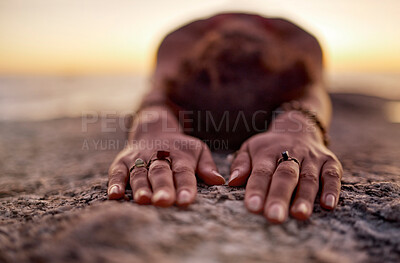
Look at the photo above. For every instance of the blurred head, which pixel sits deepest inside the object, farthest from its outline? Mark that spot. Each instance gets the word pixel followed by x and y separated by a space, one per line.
pixel 237 67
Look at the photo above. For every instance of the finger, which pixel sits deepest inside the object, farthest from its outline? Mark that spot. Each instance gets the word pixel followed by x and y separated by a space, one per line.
pixel 117 180
pixel 206 168
pixel 240 168
pixel 258 183
pixel 185 182
pixel 331 175
pixel 284 181
pixel 160 176
pixel 140 184
pixel 307 189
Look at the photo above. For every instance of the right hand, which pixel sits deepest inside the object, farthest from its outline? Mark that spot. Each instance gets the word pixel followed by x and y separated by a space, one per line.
pixel 162 185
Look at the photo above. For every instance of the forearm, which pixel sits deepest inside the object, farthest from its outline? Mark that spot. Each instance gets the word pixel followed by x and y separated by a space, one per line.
pixel 316 101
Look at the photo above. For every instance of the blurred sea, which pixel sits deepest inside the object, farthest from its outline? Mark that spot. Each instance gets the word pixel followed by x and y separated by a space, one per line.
pixel 49 97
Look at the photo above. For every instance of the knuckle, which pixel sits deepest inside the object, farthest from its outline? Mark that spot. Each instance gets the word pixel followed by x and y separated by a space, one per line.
pixel 139 173
pixel 159 167
pixel 332 158
pixel 332 173
pixel 183 169
pixel 309 177
pixel 122 154
pixel 289 172
pixel 179 155
pixel 126 159
pixel 262 171
pixel 116 172
pixel 313 155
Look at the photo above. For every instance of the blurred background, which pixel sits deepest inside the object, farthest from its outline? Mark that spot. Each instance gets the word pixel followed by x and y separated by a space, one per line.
pixel 60 58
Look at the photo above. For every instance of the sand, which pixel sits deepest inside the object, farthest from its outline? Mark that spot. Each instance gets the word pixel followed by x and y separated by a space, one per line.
pixel 54 208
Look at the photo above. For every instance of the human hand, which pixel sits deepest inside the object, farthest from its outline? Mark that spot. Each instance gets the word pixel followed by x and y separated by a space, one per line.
pixel 162 184
pixel 270 186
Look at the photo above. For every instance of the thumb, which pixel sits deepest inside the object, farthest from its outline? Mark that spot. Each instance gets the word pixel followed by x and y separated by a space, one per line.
pixel 206 168
pixel 241 167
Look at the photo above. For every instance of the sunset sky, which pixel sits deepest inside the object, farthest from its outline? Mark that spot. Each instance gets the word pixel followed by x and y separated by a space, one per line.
pixel 102 36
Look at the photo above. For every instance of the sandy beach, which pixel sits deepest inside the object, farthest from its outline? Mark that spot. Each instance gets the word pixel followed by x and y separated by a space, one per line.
pixel 54 207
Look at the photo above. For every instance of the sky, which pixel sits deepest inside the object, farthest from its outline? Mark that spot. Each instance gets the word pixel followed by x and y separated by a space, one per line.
pixel 118 37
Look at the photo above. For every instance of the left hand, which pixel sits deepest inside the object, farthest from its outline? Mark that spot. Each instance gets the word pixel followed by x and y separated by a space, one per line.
pixel 270 186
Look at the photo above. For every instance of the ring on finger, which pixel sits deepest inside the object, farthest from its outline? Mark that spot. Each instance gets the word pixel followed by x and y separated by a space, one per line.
pixel 162 156
pixel 138 164
pixel 286 157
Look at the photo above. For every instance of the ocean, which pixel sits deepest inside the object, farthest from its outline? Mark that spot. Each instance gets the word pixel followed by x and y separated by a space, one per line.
pixel 36 98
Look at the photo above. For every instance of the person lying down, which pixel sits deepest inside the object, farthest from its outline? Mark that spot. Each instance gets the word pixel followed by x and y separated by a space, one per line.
pixel 253 82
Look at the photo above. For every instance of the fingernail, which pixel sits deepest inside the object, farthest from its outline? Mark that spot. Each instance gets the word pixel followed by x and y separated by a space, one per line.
pixel 184 197
pixel 254 203
pixel 218 174
pixel 160 195
pixel 330 200
pixel 301 208
pixel 276 213
pixel 141 193
pixel 113 190
pixel 234 175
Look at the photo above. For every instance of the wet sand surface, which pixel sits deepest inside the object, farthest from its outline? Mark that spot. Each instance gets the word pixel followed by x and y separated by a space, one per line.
pixel 54 208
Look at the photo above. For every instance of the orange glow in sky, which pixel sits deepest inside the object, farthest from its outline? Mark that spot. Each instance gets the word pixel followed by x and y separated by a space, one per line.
pixel 101 36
